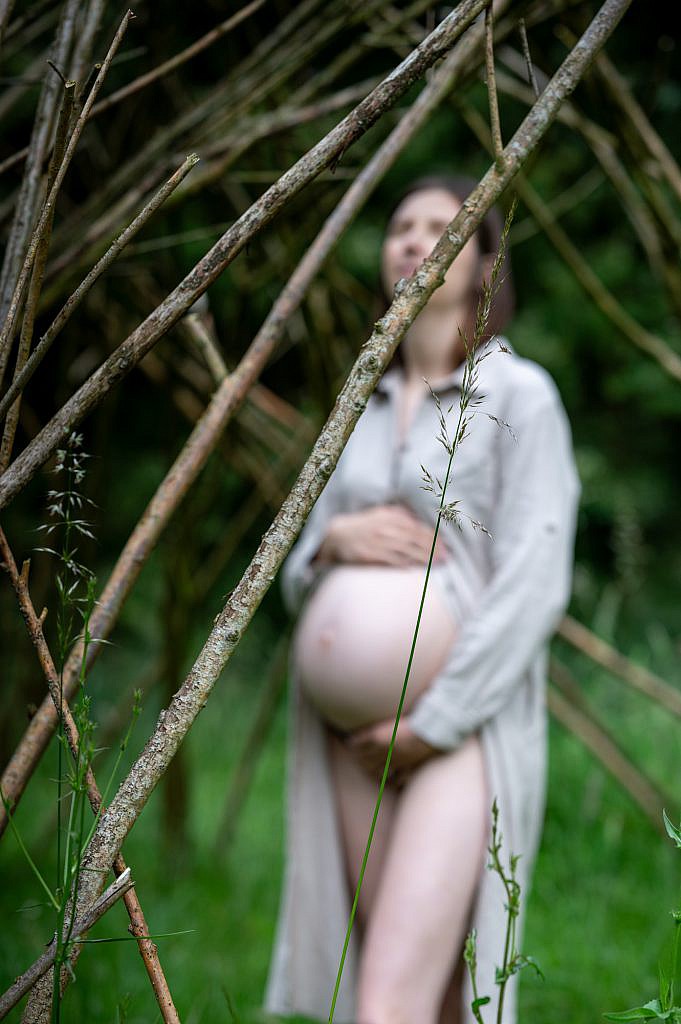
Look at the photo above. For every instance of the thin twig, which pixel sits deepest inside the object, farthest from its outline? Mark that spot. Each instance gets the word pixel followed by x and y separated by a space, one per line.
pixel 27 203
pixel 72 303
pixel 178 59
pixel 609 658
pixel 494 119
pixel 47 212
pixel 528 59
pixel 120 887
pixel 36 281
pixel 138 924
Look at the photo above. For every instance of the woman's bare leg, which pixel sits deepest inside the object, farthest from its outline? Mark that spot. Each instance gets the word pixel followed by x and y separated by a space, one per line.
pixel 356 794
pixel 423 899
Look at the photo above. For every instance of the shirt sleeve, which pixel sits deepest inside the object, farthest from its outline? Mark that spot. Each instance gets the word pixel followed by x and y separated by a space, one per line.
pixel 529 586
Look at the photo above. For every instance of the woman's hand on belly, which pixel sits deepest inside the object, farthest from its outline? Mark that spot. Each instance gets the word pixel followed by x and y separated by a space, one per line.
pixel 371 747
pixel 382 535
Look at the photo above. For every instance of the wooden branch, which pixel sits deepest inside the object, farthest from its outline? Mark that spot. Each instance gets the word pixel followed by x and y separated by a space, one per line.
pixel 5 15
pixel 223 405
pixel 72 303
pixel 26 207
pixel 567 704
pixel 47 212
pixel 494 119
pixel 229 148
pixel 180 58
pixel 138 925
pixel 326 153
pixel 120 887
pixel 36 279
pixel 527 58
pixel 174 723
pixel 88 27
pixel 609 658
pixel 206 344
pixel 643 339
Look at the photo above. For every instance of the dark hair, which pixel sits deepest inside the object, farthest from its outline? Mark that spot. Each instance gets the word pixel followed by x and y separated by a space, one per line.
pixel 489 239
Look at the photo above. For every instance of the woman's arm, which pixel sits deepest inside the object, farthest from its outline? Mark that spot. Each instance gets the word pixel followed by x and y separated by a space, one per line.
pixel 302 566
pixel 529 587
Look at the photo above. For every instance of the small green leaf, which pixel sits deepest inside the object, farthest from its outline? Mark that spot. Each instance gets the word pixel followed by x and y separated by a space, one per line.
pixel 638 1013
pixel 651 1011
pixel 672 831
pixel 529 961
pixel 480 1001
pixel 665 988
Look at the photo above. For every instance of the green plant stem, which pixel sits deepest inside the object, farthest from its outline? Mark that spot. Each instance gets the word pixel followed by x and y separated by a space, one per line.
pixel 508 946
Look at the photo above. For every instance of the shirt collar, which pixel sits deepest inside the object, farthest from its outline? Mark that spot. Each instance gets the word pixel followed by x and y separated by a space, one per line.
pixel 391 380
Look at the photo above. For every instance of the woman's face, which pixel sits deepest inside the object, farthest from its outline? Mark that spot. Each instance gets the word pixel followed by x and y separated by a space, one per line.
pixel 414 228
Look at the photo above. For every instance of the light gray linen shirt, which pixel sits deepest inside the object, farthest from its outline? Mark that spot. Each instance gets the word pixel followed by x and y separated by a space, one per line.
pixel 506 592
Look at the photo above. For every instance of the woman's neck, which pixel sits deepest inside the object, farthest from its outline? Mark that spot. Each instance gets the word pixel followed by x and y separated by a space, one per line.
pixel 433 347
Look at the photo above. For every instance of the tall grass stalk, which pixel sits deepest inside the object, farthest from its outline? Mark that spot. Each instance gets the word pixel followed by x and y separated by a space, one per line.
pixel 75 585
pixel 448 511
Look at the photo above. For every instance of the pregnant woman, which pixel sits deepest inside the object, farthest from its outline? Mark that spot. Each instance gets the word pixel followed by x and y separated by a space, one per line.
pixel 474 721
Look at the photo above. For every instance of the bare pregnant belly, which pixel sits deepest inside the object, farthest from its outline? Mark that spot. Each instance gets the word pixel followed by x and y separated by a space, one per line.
pixel 353 640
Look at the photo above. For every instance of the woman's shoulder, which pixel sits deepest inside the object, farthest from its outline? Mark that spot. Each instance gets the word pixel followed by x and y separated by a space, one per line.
pixel 520 383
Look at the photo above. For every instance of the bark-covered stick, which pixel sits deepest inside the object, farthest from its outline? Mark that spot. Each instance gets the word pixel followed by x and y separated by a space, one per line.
pixel 72 303
pixel 494 119
pixel 326 153
pixel 83 924
pixel 31 190
pixel 138 926
pixel 36 279
pixel 222 407
pixel 609 658
pixel 47 212
pixel 411 296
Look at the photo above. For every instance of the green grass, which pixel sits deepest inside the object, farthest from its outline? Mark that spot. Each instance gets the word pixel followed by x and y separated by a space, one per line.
pixel 597 918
